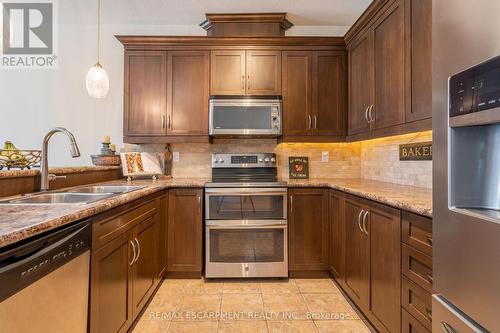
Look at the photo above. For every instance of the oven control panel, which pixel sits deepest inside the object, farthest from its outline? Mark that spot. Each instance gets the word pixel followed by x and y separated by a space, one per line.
pixel 265 160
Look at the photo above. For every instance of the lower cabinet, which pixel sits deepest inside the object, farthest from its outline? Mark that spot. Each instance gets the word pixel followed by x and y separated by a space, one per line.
pixel 184 230
pixel 337 236
pixel 124 264
pixel 308 229
pixel 372 273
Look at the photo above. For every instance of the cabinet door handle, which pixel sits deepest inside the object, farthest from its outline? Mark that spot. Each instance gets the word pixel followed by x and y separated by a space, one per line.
pixel 447 327
pixel 366 114
pixel 364 222
pixel 315 122
pixel 291 203
pixel 243 82
pixel 370 113
pixel 163 121
pixel 138 249
pixel 133 249
pixel 169 123
pixel 310 121
pixel 429 314
pixel 248 81
pixel 359 220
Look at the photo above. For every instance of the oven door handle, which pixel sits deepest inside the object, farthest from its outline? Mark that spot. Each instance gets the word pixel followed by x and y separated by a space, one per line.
pixel 245 224
pixel 246 192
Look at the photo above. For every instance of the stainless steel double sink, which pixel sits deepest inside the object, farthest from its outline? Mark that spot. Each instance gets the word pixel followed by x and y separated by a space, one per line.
pixel 79 195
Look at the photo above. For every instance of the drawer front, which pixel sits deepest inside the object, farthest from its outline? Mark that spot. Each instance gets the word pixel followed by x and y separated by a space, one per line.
pixel 417 301
pixel 417 232
pixel 411 325
pixel 111 224
pixel 417 267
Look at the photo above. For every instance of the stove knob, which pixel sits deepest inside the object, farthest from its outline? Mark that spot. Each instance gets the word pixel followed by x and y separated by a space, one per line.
pixel 221 160
pixel 216 160
pixel 261 160
pixel 266 160
pixel 273 160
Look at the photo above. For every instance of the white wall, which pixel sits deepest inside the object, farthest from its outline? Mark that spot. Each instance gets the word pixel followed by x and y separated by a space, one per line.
pixel 34 101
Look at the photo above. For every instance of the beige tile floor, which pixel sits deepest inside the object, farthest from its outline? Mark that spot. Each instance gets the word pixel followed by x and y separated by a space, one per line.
pixel 233 306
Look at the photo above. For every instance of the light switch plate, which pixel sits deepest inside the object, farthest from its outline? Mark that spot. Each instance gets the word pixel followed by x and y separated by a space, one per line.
pixel 175 156
pixel 325 157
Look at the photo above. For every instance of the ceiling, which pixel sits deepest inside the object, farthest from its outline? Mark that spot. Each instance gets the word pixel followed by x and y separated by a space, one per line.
pixel 192 12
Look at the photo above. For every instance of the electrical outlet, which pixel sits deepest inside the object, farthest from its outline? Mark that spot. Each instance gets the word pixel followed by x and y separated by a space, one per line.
pixel 175 156
pixel 325 156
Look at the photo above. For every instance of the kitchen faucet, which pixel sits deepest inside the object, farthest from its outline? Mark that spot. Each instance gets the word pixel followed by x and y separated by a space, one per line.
pixel 45 176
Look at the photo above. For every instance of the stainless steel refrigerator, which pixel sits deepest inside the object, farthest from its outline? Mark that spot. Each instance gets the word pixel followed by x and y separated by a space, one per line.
pixel 466 170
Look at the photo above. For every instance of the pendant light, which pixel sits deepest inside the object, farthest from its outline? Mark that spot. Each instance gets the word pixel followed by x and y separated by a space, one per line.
pixel 97 81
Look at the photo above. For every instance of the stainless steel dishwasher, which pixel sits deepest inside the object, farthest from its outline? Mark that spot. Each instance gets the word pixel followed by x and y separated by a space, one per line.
pixel 45 282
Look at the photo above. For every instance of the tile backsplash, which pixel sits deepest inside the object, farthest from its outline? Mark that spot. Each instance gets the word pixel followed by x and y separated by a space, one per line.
pixel 373 159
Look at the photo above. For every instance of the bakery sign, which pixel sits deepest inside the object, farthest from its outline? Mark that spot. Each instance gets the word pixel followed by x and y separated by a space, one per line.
pixel 416 151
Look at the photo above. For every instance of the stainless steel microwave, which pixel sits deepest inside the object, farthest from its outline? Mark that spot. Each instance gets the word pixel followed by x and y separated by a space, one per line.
pixel 245 116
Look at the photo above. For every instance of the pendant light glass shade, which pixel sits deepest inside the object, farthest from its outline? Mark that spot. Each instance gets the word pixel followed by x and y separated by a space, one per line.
pixel 97 81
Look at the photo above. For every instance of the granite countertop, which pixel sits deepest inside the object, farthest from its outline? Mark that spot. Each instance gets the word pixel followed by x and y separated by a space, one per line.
pixel 414 199
pixel 57 171
pixel 18 222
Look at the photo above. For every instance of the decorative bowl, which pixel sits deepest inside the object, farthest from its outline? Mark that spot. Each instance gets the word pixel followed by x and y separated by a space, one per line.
pixel 19 158
pixel 106 160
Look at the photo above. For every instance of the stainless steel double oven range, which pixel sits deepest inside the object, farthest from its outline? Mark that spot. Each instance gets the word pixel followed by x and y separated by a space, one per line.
pixel 245 218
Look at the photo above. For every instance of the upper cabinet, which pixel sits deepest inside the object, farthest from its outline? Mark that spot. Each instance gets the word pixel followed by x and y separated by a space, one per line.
pixel 166 96
pixel 187 93
pixel 313 95
pixel 145 103
pixel 245 72
pixel 390 69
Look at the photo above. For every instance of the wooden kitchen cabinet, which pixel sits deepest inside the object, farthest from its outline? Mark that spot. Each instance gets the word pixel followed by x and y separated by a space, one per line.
pixel 124 264
pixel 360 84
pixel 185 228
pixel 145 103
pixel 110 282
pixel 337 236
pixel 145 269
pixel 384 229
pixel 328 93
pixel 357 270
pixel 419 30
pixel 227 72
pixel 389 67
pixel 263 70
pixel 372 277
pixel 313 95
pixel 166 96
pixel 390 70
pixel 240 72
pixel 187 93
pixel 308 229
pixel 297 93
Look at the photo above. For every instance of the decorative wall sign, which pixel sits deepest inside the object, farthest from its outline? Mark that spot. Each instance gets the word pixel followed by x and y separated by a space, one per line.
pixel 421 151
pixel 298 167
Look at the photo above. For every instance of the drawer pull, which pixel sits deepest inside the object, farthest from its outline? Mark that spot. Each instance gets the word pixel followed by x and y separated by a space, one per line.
pixel 429 277
pixel 429 240
pixel 448 328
